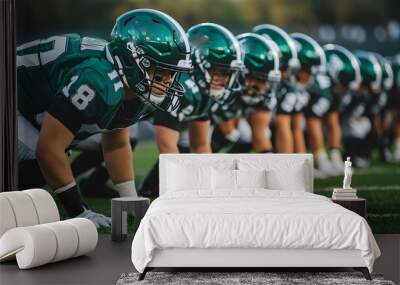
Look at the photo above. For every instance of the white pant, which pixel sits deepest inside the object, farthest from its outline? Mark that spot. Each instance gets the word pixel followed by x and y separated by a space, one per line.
pixel 28 137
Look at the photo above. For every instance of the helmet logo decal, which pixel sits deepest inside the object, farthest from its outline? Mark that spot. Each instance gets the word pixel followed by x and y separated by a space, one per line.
pixel 146 62
pixel 140 87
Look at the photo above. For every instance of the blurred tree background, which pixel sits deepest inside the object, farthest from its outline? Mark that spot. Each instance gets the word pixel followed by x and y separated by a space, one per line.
pixel 367 24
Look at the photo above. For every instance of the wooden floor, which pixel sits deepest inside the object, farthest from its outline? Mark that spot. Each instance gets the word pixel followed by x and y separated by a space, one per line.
pixel 110 260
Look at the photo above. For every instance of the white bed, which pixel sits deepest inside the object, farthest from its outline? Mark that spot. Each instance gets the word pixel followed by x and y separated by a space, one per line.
pixel 247 210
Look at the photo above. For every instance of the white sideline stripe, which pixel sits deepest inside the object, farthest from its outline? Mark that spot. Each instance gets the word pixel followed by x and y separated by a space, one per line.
pixel 365 188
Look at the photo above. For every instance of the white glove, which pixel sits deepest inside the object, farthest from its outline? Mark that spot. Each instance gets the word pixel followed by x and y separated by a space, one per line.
pixel 98 220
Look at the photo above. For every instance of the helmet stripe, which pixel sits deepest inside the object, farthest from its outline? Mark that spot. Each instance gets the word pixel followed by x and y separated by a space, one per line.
pixel 235 42
pixel 177 25
pixel 353 60
pixel 282 33
pixel 376 84
pixel 316 46
pixel 269 43
pixel 378 70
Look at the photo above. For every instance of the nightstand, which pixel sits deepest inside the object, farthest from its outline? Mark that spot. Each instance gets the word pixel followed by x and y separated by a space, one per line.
pixel 120 209
pixel 357 205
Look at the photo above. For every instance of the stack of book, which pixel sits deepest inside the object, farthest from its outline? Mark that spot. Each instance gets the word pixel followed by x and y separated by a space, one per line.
pixel 344 194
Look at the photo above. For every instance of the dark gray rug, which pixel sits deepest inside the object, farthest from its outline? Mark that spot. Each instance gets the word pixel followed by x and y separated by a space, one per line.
pixel 242 278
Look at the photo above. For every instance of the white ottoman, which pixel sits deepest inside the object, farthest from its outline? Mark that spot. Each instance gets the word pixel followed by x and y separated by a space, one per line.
pixel 31 231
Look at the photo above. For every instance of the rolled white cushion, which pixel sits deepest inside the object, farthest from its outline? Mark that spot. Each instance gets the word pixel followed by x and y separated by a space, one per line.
pixel 46 208
pixel 7 218
pixel 37 245
pixel 32 246
pixel 23 208
pixel 87 235
pixel 67 240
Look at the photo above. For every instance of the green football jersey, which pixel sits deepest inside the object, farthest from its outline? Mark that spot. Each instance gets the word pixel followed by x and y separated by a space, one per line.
pixel 224 112
pixel 237 107
pixel 321 97
pixel 287 97
pixel 354 104
pixel 70 77
pixel 193 106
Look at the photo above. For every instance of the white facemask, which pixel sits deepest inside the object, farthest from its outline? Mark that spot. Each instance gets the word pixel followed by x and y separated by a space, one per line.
pixel 251 100
pixel 217 94
pixel 157 99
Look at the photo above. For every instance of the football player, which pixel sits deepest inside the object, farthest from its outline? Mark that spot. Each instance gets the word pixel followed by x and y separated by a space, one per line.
pixel 90 157
pixel 216 58
pixel 359 108
pixel 395 104
pixel 343 69
pixel 311 78
pixel 381 113
pixel 71 87
pixel 287 93
pixel 254 99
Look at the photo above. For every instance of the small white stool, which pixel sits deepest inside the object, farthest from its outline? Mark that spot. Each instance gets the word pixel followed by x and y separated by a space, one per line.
pixel 120 208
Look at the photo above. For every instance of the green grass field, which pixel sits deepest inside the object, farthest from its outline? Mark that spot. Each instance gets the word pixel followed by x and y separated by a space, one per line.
pixel 379 184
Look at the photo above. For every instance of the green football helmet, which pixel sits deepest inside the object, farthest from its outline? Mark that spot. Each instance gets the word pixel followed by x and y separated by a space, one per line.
pixel 214 48
pixel 342 66
pixel 142 39
pixel 310 53
pixel 287 49
pixel 395 63
pixel 371 71
pixel 261 60
pixel 387 72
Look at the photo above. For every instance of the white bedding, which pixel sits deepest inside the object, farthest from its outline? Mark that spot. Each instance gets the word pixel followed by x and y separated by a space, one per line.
pixel 251 218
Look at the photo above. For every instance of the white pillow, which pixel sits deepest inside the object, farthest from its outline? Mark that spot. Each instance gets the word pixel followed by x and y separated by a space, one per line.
pixel 188 177
pixel 282 174
pixel 223 179
pixel 251 178
pixel 203 160
pixel 279 180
